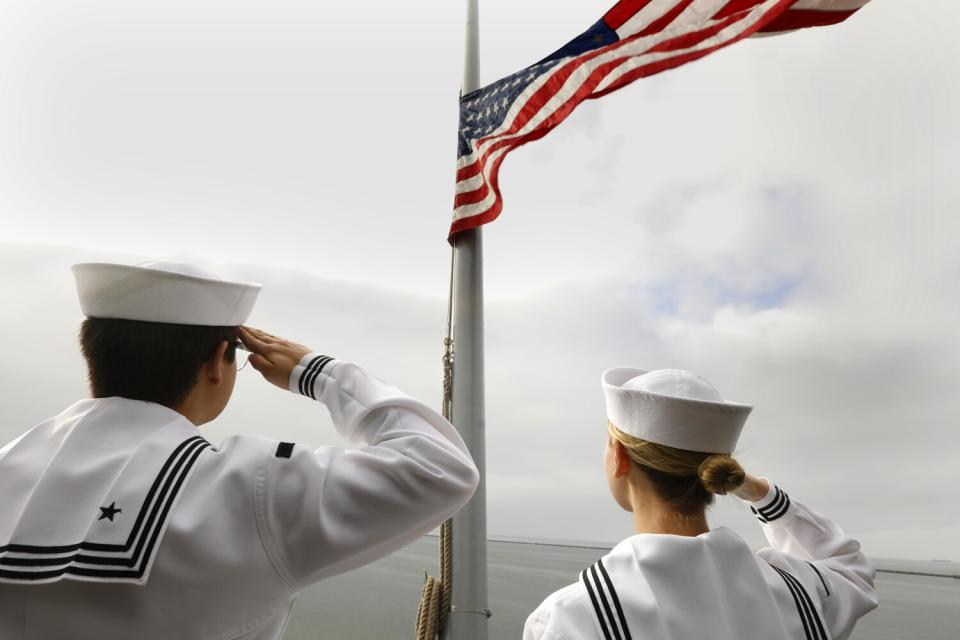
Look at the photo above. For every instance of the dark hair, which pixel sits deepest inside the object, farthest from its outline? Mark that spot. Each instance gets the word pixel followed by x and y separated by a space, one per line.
pixel 152 361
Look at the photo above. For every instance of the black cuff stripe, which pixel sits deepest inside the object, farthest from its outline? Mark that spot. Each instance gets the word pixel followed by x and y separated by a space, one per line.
pixel 312 376
pixel 783 509
pixel 766 510
pixel 310 373
pixel 306 371
pixel 775 509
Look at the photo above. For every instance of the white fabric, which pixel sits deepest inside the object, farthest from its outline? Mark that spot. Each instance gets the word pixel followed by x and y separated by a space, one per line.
pixel 672 407
pixel 171 292
pixel 713 586
pixel 57 476
pixel 251 527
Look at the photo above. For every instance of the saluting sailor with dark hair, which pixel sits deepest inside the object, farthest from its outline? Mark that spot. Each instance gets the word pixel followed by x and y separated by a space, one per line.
pixel 669 439
pixel 119 520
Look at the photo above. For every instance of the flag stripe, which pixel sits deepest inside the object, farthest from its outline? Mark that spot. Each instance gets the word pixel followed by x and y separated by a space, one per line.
pixel 629 74
pixel 800 19
pixel 531 107
pixel 557 116
pixel 666 19
pixel 634 39
pixel 642 18
pixel 552 88
pixel 621 12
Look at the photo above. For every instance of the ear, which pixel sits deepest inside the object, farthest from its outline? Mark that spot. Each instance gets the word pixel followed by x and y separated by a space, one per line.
pixel 622 458
pixel 215 366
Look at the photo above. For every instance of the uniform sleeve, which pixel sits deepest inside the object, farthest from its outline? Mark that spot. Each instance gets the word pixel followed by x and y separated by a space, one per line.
pixel 536 625
pixel 327 511
pixel 820 552
pixel 561 616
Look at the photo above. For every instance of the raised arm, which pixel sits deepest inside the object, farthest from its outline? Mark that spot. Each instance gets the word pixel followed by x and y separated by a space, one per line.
pixel 816 549
pixel 330 510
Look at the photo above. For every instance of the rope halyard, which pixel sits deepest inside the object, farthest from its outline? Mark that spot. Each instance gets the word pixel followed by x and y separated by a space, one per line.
pixel 435 597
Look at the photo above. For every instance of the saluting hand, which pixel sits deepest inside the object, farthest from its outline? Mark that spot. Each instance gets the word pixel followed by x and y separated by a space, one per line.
pixel 752 489
pixel 273 357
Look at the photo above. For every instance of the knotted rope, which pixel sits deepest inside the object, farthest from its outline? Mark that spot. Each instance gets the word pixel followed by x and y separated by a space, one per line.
pixel 435 597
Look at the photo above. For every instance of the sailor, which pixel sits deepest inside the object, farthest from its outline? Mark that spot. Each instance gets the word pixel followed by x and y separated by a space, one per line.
pixel 670 434
pixel 120 520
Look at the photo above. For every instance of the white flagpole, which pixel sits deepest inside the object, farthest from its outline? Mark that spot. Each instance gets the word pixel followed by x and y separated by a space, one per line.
pixel 468 600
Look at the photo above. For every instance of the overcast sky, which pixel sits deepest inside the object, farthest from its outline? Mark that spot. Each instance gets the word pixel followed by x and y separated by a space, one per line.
pixel 780 218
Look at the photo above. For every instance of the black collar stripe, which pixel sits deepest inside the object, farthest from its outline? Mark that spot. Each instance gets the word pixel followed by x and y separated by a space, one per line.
pixel 820 575
pixel 113 573
pixel 135 565
pixel 819 631
pixel 27 548
pixel 157 494
pixel 148 554
pixel 796 601
pixel 616 601
pixel 151 531
pixel 597 610
pixel 605 602
pixel 808 613
pixel 170 490
pixel 803 604
pixel 192 445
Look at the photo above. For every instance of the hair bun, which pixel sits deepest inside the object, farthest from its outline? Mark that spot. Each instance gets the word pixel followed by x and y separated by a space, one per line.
pixel 720 474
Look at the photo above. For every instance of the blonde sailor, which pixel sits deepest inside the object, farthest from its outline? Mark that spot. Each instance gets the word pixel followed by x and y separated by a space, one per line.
pixel 670 434
pixel 120 520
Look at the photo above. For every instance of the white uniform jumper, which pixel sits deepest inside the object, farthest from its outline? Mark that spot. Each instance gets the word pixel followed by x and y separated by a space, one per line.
pixel 812 583
pixel 119 520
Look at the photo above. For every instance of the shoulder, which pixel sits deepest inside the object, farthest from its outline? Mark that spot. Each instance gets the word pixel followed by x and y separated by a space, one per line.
pixel 240 451
pixel 240 461
pixel 793 573
pixel 563 615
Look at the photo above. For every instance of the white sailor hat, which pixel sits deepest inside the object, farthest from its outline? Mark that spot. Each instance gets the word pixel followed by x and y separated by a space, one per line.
pixel 172 292
pixel 672 407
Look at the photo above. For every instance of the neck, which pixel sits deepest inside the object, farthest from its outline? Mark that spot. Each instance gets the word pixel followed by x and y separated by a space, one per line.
pixel 191 409
pixel 653 516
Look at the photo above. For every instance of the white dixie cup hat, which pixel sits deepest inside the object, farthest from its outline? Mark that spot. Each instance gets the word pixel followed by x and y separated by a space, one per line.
pixel 158 291
pixel 672 407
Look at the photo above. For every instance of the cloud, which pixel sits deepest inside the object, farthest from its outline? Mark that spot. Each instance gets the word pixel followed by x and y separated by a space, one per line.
pixel 779 217
pixel 853 418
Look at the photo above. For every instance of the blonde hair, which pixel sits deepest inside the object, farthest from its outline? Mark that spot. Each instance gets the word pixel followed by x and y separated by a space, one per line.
pixel 687 480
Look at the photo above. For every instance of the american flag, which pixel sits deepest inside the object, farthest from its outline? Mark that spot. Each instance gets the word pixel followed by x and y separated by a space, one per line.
pixel 636 38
